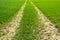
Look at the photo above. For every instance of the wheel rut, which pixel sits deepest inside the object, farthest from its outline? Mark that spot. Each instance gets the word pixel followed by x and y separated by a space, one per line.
pixel 10 29
pixel 48 32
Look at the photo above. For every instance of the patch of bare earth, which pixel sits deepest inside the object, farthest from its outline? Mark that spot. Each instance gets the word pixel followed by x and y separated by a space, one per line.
pixel 48 31
pixel 10 30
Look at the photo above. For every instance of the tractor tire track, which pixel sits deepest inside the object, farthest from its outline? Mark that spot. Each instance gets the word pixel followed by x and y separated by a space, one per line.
pixel 12 26
pixel 49 32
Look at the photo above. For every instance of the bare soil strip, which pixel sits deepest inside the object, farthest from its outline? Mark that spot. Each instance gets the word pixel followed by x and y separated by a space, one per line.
pixel 10 30
pixel 49 32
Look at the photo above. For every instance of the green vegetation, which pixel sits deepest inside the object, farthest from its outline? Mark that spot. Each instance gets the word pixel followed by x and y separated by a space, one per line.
pixel 9 8
pixel 29 23
pixel 51 8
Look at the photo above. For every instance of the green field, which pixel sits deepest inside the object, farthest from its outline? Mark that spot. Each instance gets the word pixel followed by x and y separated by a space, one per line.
pixel 51 8
pixel 28 24
pixel 8 9
pixel 32 26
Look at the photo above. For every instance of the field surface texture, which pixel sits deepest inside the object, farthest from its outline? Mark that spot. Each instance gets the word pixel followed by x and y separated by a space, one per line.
pixel 29 19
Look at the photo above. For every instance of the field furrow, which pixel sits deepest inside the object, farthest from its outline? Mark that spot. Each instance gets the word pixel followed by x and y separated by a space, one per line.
pixel 49 32
pixel 51 9
pixel 10 30
pixel 8 10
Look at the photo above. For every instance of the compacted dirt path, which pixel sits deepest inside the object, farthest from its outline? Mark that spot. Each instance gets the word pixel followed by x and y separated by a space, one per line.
pixel 10 29
pixel 48 31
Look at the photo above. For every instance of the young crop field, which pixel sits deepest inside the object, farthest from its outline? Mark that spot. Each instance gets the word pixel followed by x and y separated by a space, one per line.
pixel 8 9
pixel 29 23
pixel 29 19
pixel 51 8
